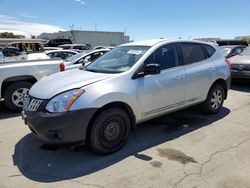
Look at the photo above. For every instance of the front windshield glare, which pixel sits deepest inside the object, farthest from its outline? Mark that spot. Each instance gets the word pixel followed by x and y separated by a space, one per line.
pixel 118 60
pixel 246 51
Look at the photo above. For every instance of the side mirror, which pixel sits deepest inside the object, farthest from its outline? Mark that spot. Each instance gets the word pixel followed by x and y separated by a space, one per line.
pixel 152 69
pixel 149 69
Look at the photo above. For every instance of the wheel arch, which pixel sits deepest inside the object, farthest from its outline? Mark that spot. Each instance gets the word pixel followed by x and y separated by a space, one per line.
pixel 8 81
pixel 221 82
pixel 118 104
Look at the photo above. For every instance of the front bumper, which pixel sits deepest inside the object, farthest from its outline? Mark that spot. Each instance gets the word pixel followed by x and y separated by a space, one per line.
pixel 240 74
pixel 60 128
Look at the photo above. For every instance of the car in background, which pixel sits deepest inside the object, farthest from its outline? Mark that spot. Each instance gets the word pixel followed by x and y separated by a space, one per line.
pixel 230 51
pixel 76 47
pixel 104 47
pixel 20 50
pixel 52 48
pixel 60 54
pixel 241 65
pixel 81 59
pixel 231 42
pixel 57 42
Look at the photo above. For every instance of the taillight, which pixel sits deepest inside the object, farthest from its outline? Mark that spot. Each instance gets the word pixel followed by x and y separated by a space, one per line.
pixel 228 64
pixel 62 67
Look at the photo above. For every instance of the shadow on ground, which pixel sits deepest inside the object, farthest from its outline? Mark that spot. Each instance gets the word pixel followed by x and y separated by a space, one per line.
pixel 5 112
pixel 63 164
pixel 241 85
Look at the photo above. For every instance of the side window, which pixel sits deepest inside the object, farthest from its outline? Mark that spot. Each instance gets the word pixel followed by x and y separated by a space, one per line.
pixel 192 53
pixel 210 50
pixel 65 55
pixel 166 56
pixel 56 55
pixel 95 56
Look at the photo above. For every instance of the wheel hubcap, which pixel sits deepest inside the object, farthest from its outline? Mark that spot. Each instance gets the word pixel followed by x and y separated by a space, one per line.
pixel 19 95
pixel 112 131
pixel 216 100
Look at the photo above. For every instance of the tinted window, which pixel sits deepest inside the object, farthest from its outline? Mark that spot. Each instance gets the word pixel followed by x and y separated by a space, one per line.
pixel 55 55
pixel 192 53
pixel 65 55
pixel 166 56
pixel 210 50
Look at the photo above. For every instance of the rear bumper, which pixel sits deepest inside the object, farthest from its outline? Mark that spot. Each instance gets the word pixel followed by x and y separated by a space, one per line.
pixel 60 128
pixel 240 74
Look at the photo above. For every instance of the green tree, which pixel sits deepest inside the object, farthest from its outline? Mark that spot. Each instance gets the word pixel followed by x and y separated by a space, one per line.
pixel 11 35
pixel 247 39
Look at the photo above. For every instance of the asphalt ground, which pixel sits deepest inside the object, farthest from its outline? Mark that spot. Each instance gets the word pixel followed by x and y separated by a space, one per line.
pixel 182 149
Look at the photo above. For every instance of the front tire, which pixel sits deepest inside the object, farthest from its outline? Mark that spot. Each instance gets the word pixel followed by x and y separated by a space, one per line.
pixel 110 131
pixel 215 99
pixel 15 94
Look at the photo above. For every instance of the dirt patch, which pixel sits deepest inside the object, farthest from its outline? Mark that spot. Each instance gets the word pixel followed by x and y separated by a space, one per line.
pixel 176 155
pixel 156 164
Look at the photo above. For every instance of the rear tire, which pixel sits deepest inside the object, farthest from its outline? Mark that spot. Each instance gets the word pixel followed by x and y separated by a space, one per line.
pixel 110 131
pixel 215 100
pixel 15 94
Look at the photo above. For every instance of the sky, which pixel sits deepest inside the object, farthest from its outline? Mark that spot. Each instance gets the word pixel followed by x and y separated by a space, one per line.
pixel 140 19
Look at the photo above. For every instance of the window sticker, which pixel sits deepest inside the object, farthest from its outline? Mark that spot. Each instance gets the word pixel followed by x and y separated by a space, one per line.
pixel 134 52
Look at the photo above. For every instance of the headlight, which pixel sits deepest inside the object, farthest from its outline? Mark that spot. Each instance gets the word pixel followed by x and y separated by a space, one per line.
pixel 63 102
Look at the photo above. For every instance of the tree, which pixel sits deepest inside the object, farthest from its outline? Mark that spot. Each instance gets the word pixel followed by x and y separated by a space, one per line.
pixel 11 35
pixel 247 39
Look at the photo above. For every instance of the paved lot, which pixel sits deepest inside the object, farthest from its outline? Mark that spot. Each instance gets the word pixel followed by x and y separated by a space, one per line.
pixel 184 149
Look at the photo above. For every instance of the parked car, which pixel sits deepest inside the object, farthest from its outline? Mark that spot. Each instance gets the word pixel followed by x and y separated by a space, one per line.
pixel 131 84
pixel 81 59
pixel 104 47
pixel 230 51
pixel 231 42
pixel 17 78
pixel 60 54
pixel 241 65
pixel 57 42
pixel 20 50
pixel 76 47
pixel 46 49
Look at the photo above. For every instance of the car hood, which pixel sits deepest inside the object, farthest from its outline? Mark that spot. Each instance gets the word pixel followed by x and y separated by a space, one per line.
pixel 240 59
pixel 48 87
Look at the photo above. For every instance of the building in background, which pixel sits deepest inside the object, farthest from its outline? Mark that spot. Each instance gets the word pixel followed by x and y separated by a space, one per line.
pixel 91 38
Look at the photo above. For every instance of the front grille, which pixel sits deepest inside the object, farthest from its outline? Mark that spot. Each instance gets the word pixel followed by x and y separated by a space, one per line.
pixel 34 105
pixel 241 67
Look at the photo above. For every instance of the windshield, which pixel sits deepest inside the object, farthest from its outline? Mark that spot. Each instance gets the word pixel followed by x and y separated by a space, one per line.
pixel 74 57
pixel 246 51
pixel 118 60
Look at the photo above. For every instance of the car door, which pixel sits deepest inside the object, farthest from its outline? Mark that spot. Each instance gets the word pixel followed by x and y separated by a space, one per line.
pixel 199 70
pixel 157 94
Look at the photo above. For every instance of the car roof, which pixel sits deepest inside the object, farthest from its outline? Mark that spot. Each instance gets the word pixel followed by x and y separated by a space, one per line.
pixel 153 42
pixel 52 51
pixel 73 45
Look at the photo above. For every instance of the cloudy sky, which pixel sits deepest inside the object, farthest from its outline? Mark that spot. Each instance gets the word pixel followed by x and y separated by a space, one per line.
pixel 141 19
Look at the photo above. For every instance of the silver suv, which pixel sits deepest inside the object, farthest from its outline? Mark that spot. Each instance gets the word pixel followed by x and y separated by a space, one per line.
pixel 133 83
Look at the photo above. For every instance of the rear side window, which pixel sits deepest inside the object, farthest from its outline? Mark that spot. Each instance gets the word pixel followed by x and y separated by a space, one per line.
pixel 192 53
pixel 210 50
